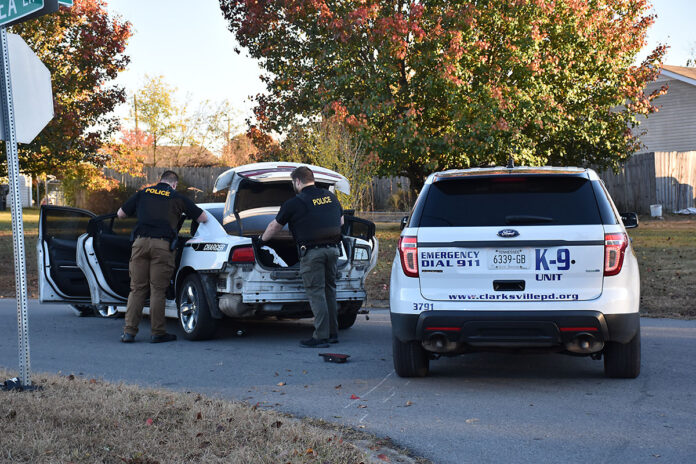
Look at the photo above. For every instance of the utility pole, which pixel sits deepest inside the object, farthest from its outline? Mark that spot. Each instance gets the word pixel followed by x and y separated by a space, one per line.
pixel 135 112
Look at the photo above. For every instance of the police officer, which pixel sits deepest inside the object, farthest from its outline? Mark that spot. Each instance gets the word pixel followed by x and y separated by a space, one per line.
pixel 158 209
pixel 315 218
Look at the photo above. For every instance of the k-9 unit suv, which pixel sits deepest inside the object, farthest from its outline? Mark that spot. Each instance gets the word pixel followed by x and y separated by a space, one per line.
pixel 520 259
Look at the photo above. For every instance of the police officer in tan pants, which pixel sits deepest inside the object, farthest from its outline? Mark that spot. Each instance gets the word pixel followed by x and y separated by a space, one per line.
pixel 158 209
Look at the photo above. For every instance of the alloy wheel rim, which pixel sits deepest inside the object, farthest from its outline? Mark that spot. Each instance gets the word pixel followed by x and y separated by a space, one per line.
pixel 107 310
pixel 189 300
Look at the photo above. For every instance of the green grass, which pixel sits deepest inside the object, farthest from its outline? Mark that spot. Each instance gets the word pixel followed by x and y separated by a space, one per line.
pixel 666 252
pixel 30 221
pixel 30 217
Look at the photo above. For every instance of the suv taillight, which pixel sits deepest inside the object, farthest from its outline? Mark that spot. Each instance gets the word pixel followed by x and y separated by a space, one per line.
pixel 242 254
pixel 614 249
pixel 408 251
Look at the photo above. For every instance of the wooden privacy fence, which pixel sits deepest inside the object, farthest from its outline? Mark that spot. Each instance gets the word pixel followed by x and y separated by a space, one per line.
pixel 664 178
pixel 385 193
pixel 201 178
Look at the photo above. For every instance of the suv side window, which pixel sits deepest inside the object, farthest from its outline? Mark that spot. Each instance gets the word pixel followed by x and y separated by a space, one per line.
pixel 510 200
pixel 605 207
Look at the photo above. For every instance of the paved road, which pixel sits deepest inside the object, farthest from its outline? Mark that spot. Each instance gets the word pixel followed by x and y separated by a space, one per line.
pixel 481 408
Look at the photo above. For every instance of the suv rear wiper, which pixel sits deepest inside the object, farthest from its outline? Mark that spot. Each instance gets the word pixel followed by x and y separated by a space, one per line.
pixel 512 220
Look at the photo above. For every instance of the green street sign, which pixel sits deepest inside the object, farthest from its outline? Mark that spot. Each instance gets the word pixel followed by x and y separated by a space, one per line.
pixel 11 10
pixel 65 2
pixel 17 11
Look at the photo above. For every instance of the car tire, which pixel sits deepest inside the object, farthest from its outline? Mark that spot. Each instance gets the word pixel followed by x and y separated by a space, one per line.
pixel 84 310
pixel 347 317
pixel 622 360
pixel 107 312
pixel 410 359
pixel 194 314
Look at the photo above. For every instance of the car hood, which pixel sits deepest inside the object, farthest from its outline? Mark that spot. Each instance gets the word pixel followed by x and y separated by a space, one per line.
pixel 273 171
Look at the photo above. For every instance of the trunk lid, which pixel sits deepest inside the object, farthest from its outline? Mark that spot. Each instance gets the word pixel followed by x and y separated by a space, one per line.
pixel 270 172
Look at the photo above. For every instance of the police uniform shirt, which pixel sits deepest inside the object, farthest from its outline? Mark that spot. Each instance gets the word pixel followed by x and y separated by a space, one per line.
pixel 159 210
pixel 314 216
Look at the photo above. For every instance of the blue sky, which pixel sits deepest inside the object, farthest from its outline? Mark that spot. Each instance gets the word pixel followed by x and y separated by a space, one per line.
pixel 188 43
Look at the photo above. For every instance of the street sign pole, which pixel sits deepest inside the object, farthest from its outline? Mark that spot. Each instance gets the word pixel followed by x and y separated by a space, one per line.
pixel 17 222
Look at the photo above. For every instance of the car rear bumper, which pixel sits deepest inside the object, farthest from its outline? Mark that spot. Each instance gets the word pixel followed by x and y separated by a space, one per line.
pixel 462 331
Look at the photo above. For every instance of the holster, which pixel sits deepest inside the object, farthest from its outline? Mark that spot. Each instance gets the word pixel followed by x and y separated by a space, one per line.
pixel 173 243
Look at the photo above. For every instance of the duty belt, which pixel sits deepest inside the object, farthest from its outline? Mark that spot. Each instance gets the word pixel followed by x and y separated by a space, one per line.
pixel 323 245
pixel 156 238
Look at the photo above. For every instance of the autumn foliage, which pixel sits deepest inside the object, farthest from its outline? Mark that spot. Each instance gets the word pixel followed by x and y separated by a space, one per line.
pixel 446 84
pixel 84 48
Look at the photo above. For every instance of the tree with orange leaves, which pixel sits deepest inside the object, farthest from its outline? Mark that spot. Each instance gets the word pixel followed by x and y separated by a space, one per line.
pixel 84 48
pixel 437 84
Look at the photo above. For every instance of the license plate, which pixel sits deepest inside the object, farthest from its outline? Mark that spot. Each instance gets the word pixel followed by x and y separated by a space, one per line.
pixel 509 258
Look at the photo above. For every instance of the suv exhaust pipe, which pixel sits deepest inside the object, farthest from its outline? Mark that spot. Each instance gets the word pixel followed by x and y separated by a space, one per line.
pixel 584 343
pixel 438 342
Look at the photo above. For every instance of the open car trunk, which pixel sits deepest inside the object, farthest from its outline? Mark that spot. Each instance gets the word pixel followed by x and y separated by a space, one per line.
pixel 256 193
pixel 279 252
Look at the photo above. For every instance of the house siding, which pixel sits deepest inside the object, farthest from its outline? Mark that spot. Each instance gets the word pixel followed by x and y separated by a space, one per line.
pixel 673 127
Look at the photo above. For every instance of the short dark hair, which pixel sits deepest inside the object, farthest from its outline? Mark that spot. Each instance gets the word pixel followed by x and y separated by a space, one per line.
pixel 304 174
pixel 169 176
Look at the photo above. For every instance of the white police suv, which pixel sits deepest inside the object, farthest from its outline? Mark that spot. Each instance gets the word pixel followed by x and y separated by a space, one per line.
pixel 520 259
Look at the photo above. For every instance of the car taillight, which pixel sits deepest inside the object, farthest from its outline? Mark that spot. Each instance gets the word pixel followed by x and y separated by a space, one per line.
pixel 408 251
pixel 614 249
pixel 242 254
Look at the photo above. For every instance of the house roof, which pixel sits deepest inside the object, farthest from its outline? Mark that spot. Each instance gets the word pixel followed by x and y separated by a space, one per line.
pixel 680 73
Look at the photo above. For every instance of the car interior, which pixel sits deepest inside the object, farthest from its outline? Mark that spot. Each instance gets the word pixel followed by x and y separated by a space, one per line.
pixel 60 230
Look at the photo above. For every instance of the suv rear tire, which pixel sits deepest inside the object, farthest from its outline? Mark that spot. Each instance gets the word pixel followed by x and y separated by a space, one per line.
pixel 410 358
pixel 622 361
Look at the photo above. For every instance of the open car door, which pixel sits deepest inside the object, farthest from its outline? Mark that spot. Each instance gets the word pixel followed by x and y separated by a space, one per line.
pixel 359 240
pixel 60 278
pixel 103 255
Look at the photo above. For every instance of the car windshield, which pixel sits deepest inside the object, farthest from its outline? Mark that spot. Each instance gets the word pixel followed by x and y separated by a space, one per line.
pixel 510 200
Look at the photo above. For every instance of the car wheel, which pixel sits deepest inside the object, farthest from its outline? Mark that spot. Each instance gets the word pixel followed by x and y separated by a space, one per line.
pixel 84 310
pixel 107 311
pixel 622 360
pixel 194 314
pixel 347 317
pixel 410 359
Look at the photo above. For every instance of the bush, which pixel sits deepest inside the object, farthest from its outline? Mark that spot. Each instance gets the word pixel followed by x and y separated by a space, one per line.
pixel 103 201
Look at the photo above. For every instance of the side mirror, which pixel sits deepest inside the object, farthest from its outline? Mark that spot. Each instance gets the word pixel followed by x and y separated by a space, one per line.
pixel 404 221
pixel 630 220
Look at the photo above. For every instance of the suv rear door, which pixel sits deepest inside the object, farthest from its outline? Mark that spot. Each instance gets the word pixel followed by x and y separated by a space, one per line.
pixel 511 238
pixel 60 279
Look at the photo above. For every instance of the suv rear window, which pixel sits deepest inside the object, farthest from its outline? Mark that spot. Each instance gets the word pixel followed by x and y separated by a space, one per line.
pixel 510 200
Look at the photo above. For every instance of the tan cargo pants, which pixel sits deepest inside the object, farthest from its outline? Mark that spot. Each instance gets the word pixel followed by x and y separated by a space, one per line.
pixel 151 267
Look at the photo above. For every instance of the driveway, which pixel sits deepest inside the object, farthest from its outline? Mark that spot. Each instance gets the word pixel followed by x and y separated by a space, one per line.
pixel 479 408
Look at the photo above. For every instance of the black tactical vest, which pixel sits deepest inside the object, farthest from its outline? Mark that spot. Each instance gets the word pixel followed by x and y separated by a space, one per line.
pixel 318 220
pixel 158 211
